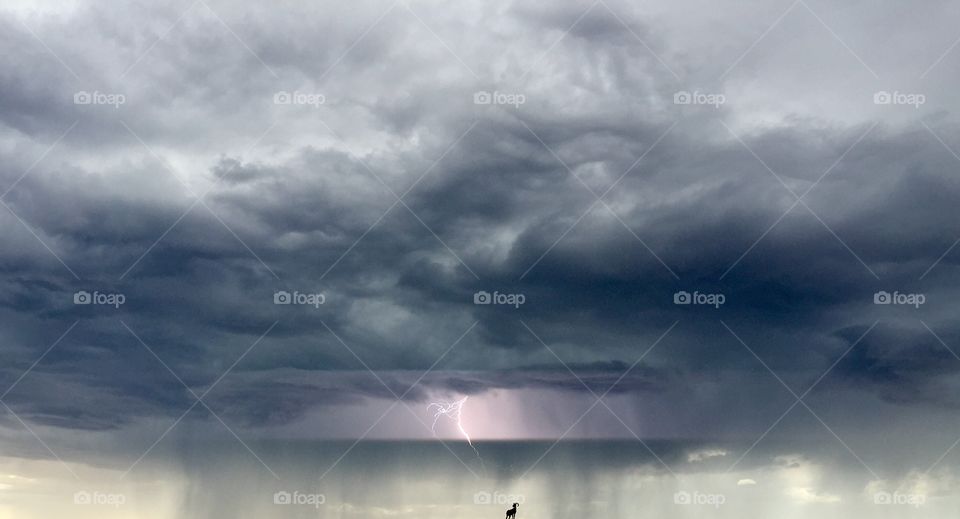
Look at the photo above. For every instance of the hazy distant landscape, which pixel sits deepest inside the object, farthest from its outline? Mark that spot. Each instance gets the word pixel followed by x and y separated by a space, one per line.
pixel 422 478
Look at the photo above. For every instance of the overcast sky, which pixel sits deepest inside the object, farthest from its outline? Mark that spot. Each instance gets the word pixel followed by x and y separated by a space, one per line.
pixel 171 172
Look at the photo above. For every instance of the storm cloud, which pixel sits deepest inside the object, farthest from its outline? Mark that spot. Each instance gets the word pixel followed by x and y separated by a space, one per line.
pixel 499 197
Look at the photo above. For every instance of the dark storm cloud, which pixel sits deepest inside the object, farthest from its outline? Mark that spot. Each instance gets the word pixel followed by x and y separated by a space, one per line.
pixel 310 206
pixel 905 366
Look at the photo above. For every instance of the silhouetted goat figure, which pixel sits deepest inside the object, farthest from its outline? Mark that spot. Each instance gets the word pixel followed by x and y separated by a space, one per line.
pixel 512 512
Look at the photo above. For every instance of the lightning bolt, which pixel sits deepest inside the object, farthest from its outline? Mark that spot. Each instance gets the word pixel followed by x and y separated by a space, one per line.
pixel 452 410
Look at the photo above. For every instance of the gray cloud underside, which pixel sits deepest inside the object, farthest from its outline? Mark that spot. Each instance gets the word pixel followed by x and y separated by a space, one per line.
pixel 500 199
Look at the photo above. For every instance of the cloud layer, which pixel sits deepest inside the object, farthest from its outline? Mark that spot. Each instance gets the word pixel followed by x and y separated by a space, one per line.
pixel 229 153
